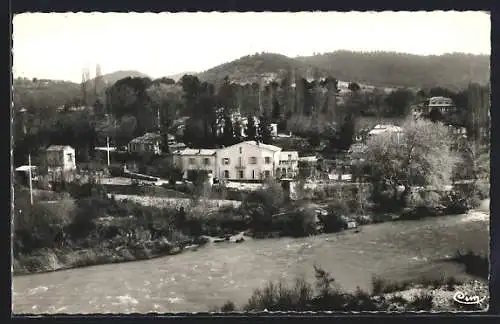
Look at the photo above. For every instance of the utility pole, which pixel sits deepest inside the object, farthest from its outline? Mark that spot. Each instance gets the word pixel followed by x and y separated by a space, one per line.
pixel 107 149
pixel 30 176
pixel 158 118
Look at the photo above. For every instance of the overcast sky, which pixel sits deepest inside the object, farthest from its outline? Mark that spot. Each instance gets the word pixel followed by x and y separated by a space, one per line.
pixel 60 46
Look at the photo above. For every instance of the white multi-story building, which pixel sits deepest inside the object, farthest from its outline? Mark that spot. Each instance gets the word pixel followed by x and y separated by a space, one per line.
pixel 191 160
pixel 245 161
pixel 248 160
pixel 288 165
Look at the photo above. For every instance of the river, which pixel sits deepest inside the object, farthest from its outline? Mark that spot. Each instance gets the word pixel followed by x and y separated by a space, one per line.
pixel 194 281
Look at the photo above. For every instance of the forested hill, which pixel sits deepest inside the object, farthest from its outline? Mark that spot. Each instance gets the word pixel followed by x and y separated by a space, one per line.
pixel 453 71
pixel 383 68
pixel 251 67
pixel 111 78
pixel 56 93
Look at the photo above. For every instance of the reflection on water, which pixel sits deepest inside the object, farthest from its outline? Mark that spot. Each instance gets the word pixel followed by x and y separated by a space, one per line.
pixel 195 281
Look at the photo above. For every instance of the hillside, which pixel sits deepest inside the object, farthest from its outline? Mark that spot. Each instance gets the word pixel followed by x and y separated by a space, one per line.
pixel 251 67
pixel 46 93
pixel 377 68
pixel 111 78
pixel 384 68
pixel 178 76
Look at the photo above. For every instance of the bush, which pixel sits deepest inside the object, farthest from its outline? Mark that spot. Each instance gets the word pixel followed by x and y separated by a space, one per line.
pixel 116 170
pixel 279 297
pixel 42 225
pixel 301 297
pixel 422 302
pixel 335 220
pixel 475 264
pixel 300 223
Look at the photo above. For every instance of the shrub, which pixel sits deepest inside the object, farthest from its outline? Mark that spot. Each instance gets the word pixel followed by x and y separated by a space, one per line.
pixel 475 264
pixel 300 223
pixel 335 220
pixel 381 286
pixel 360 301
pixel 422 302
pixel 274 297
pixel 228 306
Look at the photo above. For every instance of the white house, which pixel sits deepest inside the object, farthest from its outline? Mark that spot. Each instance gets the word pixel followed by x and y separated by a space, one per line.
pixel 288 164
pixel 149 142
pixel 379 129
pixel 442 104
pixel 190 160
pixel 60 158
pixel 252 160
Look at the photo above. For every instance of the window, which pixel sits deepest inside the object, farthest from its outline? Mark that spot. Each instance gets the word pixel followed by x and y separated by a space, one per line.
pixel 253 174
pixel 191 161
pixel 241 150
pixel 289 156
pixel 226 174
pixel 267 160
pixel 225 161
pixel 252 160
pixel 267 174
pixel 240 174
pixel 206 161
pixel 70 157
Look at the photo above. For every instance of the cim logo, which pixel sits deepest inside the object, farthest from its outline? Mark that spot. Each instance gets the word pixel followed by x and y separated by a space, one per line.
pixel 462 298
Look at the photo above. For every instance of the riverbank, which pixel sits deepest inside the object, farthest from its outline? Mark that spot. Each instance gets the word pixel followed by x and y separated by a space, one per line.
pixel 197 280
pixel 445 295
pixel 48 260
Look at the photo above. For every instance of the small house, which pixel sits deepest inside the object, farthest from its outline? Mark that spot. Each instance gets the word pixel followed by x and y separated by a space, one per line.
pixel 60 158
pixel 147 143
pixel 22 173
pixel 442 104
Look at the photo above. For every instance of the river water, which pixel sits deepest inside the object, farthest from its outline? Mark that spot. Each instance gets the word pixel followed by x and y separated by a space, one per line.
pixel 195 281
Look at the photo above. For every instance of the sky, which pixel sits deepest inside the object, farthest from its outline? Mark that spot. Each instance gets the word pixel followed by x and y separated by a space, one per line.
pixel 60 45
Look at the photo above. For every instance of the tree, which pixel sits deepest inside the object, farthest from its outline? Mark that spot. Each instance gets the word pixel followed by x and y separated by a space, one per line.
pixel 276 114
pixel 165 99
pixel 164 140
pixel 251 129
pixel 399 101
pixel 237 131
pixel 225 96
pixel 265 135
pixel 435 115
pixel 228 131
pixel 421 156
pixel 354 87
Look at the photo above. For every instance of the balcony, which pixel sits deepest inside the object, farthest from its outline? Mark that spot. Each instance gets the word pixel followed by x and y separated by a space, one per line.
pixel 288 162
pixel 240 166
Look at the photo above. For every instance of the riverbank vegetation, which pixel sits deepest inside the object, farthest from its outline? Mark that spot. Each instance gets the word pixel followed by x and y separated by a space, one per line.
pixel 326 295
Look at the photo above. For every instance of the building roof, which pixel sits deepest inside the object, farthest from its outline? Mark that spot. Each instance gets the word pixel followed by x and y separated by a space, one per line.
pixel 25 168
pixel 379 129
pixel 266 146
pixel 284 154
pixel 58 147
pixel 147 138
pixel 105 149
pixel 179 145
pixel 440 101
pixel 310 159
pixel 197 152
